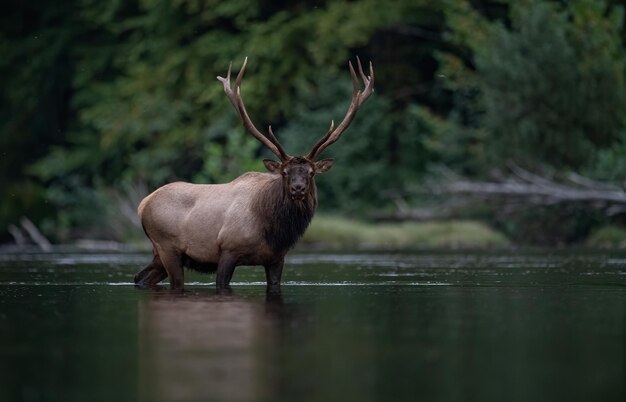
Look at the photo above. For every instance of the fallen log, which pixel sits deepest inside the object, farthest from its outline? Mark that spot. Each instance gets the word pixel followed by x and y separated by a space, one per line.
pixel 519 190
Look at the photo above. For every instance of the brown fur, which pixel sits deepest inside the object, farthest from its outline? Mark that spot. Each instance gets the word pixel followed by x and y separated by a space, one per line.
pixel 284 220
pixel 252 220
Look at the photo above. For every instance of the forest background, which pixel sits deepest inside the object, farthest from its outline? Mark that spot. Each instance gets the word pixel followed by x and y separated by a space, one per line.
pixel 103 101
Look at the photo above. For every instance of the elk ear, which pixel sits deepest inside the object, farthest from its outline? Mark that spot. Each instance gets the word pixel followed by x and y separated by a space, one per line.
pixel 271 165
pixel 324 165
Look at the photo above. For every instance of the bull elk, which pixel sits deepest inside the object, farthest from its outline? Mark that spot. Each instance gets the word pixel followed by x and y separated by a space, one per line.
pixel 253 220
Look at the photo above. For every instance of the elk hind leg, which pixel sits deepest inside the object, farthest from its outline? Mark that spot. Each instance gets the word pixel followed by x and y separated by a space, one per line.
pixel 152 274
pixel 173 264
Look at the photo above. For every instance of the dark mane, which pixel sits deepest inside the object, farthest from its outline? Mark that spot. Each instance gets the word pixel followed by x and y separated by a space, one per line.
pixel 285 219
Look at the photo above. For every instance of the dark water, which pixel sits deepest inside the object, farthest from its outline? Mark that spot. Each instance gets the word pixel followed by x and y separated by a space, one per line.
pixel 382 327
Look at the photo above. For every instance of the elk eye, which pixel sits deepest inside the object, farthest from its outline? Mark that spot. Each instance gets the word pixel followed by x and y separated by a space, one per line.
pixel 311 173
pixel 284 173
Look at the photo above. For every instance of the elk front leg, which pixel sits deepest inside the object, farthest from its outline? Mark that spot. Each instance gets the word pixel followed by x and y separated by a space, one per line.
pixel 273 273
pixel 225 270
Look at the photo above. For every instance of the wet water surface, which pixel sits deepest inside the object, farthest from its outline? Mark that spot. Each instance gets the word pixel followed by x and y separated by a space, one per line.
pixel 347 327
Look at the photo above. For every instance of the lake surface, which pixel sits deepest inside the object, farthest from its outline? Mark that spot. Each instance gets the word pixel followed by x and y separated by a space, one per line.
pixel 442 326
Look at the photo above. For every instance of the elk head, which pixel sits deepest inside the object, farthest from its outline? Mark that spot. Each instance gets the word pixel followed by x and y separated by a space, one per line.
pixel 298 171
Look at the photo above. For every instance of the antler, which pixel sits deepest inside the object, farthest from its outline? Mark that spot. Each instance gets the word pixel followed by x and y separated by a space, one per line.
pixel 235 98
pixel 358 97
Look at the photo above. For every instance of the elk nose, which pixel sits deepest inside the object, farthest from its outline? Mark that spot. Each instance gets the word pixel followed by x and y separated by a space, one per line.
pixel 298 188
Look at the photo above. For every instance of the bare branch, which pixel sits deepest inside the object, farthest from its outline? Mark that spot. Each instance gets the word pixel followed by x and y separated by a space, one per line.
pixel 523 189
pixel 533 186
pixel 35 234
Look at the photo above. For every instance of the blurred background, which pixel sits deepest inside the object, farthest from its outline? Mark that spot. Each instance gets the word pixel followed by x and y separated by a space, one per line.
pixel 493 122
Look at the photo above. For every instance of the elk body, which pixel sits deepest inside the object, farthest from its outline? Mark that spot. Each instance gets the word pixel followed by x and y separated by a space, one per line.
pixel 253 220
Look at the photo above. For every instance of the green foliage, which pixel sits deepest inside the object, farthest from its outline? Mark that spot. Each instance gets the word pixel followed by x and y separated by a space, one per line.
pixel 553 225
pixel 378 152
pixel 223 161
pixel 548 87
pixel 334 232
pixel 35 77
pixel 608 236
pixel 610 164
pixel 141 100
pixel 99 96
pixel 540 84
pixel 78 206
pixel 527 114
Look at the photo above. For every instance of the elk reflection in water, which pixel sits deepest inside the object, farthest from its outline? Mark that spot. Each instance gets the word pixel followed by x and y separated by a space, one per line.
pixel 206 344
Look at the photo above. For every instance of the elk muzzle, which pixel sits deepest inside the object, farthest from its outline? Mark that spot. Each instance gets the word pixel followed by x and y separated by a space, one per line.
pixel 297 188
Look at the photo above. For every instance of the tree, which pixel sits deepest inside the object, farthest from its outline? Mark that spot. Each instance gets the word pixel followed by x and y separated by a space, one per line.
pixel 121 96
pixel 548 86
pixel 142 104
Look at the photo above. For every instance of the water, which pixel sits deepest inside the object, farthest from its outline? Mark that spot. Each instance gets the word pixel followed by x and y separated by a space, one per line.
pixel 347 327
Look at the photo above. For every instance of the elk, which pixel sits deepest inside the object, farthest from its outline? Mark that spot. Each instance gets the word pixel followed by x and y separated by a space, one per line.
pixel 253 220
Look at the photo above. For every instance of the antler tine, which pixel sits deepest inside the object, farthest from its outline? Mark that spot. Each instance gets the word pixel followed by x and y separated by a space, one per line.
pixel 358 97
pixel 363 76
pixel 230 67
pixel 369 88
pixel 235 98
pixel 355 81
pixel 227 89
pixel 272 143
pixel 241 73
pixel 314 152
pixel 272 136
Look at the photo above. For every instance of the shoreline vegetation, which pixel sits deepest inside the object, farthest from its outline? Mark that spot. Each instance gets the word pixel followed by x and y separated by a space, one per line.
pixel 332 233
pixel 103 102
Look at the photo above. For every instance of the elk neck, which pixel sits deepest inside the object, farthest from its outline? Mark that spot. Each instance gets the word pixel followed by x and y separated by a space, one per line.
pixel 285 220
